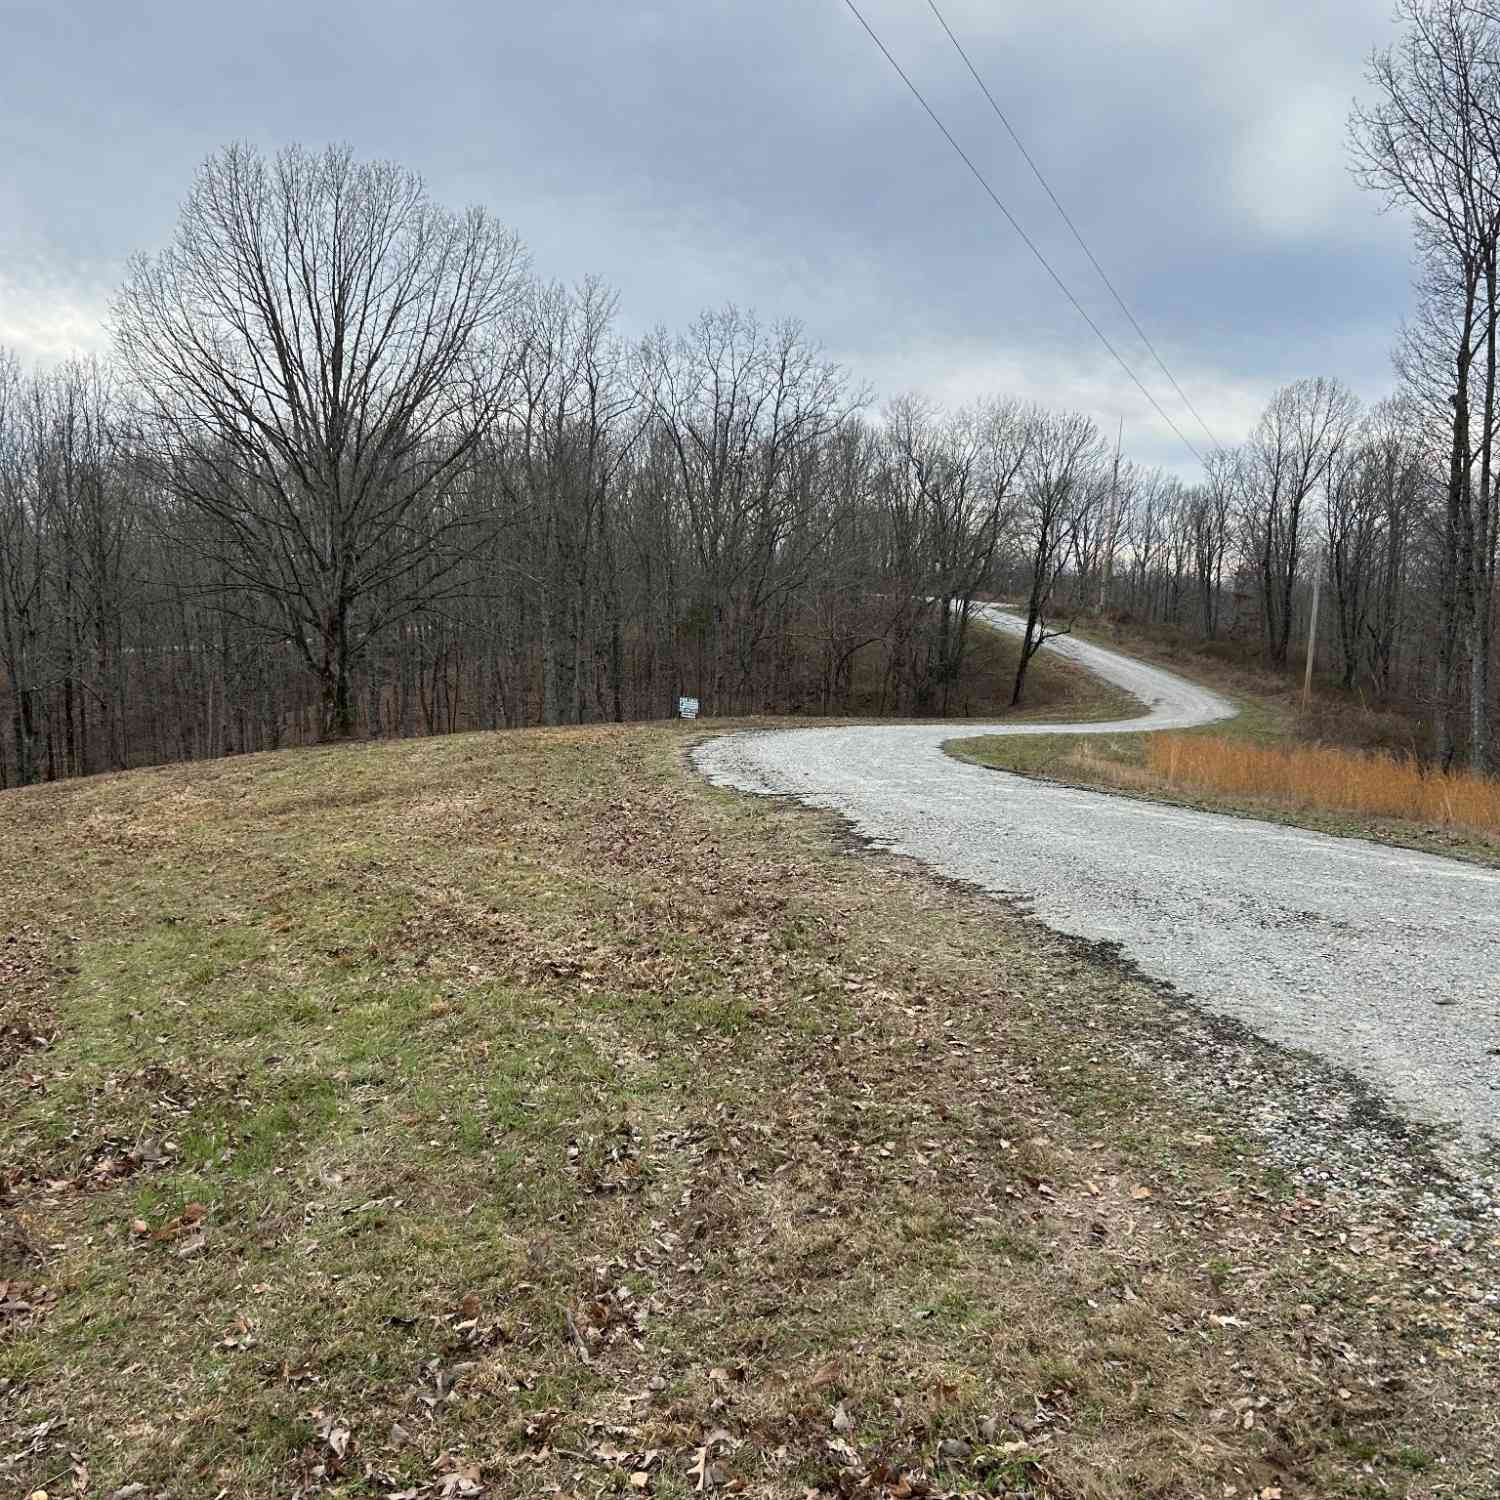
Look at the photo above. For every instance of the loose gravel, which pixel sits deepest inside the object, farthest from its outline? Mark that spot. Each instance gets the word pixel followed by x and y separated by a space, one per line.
pixel 1381 961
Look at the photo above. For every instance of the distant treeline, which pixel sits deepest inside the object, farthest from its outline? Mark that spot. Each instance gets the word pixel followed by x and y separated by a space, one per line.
pixel 355 469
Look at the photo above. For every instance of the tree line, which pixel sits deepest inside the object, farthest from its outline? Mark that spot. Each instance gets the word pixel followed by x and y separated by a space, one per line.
pixel 354 467
pixel 1429 143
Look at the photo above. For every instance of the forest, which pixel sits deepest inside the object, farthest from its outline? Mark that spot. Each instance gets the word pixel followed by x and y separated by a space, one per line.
pixel 355 466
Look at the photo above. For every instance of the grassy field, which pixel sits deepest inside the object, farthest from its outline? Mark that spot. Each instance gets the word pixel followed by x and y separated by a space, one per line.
pixel 1248 763
pixel 515 1115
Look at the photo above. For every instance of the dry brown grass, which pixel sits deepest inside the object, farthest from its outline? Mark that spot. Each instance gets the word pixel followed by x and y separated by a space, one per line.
pixel 1327 780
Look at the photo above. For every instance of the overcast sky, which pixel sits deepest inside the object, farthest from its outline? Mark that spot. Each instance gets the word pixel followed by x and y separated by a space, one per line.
pixel 696 152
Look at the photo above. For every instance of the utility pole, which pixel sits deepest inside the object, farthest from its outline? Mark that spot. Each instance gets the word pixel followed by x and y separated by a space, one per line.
pixel 1312 627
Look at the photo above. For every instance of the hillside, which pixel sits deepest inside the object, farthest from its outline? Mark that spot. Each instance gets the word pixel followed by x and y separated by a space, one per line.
pixel 513 1114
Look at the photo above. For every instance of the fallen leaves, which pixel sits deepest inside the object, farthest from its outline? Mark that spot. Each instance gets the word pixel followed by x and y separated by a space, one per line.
pixel 239 1335
pixel 108 1164
pixel 23 1304
pixel 576 1337
pixel 705 1473
pixel 458 1480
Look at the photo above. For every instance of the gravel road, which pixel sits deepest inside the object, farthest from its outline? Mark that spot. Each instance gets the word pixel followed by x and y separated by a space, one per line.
pixel 1382 960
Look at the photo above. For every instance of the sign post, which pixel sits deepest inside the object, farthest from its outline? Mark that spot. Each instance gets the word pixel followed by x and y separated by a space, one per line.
pixel 687 708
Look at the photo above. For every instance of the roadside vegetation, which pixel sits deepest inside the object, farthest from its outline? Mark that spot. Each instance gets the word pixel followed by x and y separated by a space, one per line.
pixel 1336 765
pixel 1330 780
pixel 1055 687
pixel 515 1115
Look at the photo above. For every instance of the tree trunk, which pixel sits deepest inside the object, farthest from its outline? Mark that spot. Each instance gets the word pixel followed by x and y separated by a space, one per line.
pixel 1456 591
pixel 1480 564
pixel 337 711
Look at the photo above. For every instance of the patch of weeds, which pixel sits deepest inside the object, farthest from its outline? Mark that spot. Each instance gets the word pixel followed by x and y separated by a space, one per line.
pixel 1414 1460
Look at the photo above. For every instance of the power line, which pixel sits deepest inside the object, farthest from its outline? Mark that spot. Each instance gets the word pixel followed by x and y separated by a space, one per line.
pixel 1025 238
pixel 1067 219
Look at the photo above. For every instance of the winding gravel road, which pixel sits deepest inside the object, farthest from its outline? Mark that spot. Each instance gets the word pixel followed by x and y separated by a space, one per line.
pixel 1383 960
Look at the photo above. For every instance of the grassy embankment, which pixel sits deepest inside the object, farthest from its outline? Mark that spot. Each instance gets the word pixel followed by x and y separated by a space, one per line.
pixel 515 1115
pixel 1337 768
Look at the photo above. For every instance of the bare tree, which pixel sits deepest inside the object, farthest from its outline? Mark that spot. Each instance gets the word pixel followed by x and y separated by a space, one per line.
pixel 1289 455
pixel 1213 507
pixel 949 493
pixel 1430 142
pixel 23 522
pixel 318 354
pixel 577 419
pixel 1065 473
pixel 740 408
pixel 1374 492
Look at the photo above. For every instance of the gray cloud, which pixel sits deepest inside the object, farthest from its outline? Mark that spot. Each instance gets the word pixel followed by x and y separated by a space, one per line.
pixel 699 151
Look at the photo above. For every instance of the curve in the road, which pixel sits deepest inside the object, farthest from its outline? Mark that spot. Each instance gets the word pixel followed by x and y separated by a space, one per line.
pixel 1384 960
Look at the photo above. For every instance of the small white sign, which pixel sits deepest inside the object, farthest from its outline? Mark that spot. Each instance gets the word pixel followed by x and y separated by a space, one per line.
pixel 687 708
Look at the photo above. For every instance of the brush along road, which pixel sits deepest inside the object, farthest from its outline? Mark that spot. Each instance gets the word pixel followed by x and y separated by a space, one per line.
pixel 1383 960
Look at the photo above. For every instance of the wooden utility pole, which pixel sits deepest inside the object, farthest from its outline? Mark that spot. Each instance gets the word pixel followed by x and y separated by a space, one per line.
pixel 1312 628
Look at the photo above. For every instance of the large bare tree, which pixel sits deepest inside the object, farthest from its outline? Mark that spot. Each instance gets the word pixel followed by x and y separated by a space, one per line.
pixel 318 353
pixel 1429 142
pixel 1290 454
pixel 1066 474
pixel 741 407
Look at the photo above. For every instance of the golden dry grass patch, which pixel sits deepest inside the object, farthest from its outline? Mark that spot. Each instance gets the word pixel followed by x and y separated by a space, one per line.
pixel 1327 779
